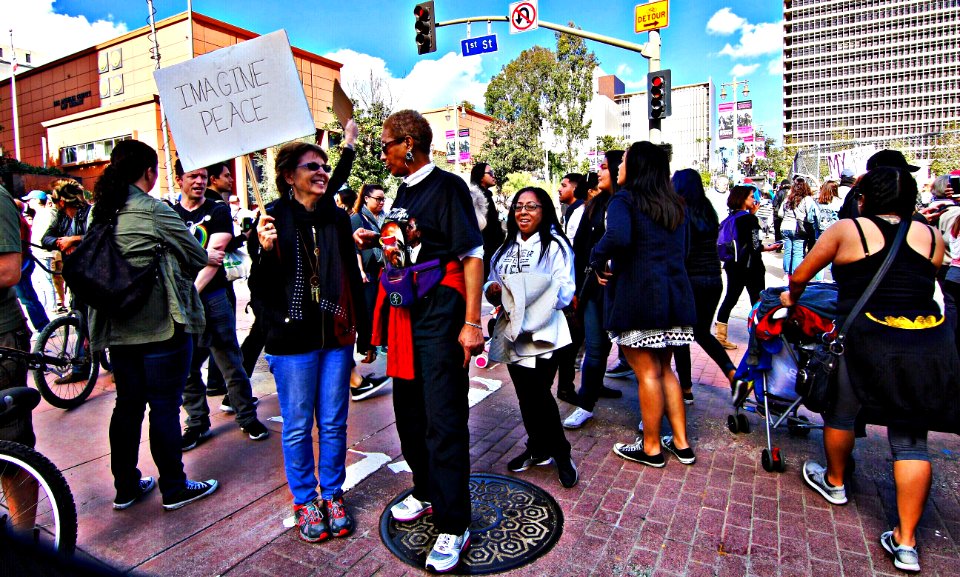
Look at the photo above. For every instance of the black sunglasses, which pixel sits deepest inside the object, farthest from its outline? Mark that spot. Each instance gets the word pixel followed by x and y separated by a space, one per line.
pixel 315 166
pixel 385 146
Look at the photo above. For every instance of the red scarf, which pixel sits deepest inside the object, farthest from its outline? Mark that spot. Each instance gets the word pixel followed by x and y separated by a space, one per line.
pixel 399 338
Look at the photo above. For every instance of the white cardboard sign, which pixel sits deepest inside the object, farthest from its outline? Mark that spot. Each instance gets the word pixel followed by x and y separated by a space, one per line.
pixel 234 101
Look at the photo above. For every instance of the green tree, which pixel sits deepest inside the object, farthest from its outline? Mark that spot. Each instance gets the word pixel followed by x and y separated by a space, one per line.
pixel 570 89
pixel 517 98
pixel 372 104
pixel 608 142
pixel 946 154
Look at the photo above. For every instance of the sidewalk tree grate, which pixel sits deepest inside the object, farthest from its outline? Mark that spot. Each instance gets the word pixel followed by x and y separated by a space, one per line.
pixel 514 522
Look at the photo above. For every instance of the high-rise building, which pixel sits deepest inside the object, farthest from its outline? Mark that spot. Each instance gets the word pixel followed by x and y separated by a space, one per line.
pixel 870 72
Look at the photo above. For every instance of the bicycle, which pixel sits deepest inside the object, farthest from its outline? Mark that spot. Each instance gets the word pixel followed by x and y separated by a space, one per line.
pixel 36 506
pixel 69 371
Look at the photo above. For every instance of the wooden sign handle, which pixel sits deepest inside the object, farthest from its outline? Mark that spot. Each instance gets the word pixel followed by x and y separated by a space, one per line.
pixel 251 174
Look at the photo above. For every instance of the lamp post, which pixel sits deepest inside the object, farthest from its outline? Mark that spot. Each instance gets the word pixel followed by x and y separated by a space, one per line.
pixel 723 96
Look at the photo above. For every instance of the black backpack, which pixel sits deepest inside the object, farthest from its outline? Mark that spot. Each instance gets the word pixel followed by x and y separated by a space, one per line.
pixel 102 278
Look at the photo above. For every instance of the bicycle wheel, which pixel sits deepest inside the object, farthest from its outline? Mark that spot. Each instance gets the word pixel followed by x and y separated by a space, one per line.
pixel 59 339
pixel 52 521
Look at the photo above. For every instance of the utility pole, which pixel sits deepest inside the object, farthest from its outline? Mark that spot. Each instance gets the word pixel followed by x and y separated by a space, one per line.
pixel 13 90
pixel 163 117
pixel 652 53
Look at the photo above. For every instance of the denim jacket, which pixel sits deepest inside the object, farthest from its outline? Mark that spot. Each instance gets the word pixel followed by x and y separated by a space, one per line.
pixel 141 224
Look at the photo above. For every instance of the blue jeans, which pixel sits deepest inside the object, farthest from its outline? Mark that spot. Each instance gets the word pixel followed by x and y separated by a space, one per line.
pixel 595 353
pixel 28 296
pixel 792 251
pixel 314 384
pixel 152 374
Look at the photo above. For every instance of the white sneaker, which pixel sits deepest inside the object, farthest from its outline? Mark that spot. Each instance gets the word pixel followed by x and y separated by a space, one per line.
pixel 577 418
pixel 446 551
pixel 410 509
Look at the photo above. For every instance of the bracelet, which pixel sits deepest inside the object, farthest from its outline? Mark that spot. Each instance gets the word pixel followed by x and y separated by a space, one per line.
pixel 474 325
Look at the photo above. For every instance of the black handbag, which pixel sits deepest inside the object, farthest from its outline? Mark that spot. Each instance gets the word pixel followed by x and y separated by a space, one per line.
pixel 103 279
pixel 818 371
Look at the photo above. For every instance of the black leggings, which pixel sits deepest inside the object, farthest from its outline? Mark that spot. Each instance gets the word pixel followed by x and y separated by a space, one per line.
pixel 737 280
pixel 706 295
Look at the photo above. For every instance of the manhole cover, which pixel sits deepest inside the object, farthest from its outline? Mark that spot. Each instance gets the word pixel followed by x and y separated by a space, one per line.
pixel 513 523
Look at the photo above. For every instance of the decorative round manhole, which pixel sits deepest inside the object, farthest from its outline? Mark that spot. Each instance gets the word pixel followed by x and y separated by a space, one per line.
pixel 513 523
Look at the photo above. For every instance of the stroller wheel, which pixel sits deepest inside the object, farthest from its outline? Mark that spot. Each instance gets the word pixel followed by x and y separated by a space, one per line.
pixel 732 424
pixel 742 423
pixel 772 461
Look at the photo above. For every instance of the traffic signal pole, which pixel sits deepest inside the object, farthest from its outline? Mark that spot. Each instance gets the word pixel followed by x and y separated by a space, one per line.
pixel 653 57
pixel 559 28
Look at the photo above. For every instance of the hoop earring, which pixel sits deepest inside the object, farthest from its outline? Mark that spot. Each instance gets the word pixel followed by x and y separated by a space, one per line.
pixel 409 156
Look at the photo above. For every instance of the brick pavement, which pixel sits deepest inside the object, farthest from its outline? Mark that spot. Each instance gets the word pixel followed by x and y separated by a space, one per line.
pixel 722 516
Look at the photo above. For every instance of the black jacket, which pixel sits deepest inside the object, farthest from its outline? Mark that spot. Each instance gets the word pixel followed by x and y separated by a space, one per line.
pixel 58 228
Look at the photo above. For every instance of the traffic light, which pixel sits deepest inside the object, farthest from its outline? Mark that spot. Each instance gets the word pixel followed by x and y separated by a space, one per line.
pixel 426 26
pixel 658 94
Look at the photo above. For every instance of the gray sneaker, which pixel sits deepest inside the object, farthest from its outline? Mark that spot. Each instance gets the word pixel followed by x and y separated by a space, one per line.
pixel 446 551
pixel 815 475
pixel 904 558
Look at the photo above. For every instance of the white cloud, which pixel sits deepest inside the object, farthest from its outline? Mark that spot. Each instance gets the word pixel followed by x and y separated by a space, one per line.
pixel 741 70
pixel 757 39
pixel 430 84
pixel 624 70
pixel 48 35
pixel 724 22
pixel 775 67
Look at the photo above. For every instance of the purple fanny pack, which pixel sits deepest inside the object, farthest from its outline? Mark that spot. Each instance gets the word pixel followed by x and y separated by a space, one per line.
pixel 406 285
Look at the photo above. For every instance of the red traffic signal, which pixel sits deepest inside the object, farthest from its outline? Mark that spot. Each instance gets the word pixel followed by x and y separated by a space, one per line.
pixel 658 94
pixel 425 27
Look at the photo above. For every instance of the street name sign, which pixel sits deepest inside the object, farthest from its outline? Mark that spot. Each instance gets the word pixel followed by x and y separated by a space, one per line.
pixel 235 100
pixel 524 16
pixel 651 16
pixel 479 45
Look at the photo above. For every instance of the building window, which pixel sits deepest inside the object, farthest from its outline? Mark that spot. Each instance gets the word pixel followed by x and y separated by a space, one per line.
pixel 28 58
pixel 90 151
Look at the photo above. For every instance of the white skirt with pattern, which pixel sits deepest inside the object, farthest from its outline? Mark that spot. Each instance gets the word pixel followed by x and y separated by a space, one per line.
pixel 654 338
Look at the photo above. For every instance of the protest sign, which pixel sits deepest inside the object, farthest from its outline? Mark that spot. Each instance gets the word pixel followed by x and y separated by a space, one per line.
pixel 234 101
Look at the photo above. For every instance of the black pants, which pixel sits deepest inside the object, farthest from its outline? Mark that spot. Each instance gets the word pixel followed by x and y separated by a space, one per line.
pixel 706 295
pixel 737 280
pixel 538 408
pixel 432 412
pixel 153 374
pixel 214 376
pixel 567 357
pixel 252 346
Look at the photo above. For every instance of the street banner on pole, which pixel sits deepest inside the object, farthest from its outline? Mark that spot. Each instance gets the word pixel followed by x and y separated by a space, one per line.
pixel 234 101
pixel 726 119
pixel 744 118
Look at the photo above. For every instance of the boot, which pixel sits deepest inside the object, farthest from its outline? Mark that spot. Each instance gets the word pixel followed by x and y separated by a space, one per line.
pixel 722 336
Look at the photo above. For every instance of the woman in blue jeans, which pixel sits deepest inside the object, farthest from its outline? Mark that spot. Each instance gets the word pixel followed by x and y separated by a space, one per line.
pixel 306 290
pixel 151 348
pixel 794 212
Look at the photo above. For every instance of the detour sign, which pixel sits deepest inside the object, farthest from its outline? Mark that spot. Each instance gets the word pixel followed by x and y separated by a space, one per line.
pixel 651 16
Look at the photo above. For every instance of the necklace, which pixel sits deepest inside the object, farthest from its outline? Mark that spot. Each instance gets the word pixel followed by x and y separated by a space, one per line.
pixel 314 263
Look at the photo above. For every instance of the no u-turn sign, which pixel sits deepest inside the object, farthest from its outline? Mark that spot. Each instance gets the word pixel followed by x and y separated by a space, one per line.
pixel 523 16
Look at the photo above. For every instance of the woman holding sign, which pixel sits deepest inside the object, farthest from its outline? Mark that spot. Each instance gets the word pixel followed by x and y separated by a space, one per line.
pixel 306 291
pixel 433 328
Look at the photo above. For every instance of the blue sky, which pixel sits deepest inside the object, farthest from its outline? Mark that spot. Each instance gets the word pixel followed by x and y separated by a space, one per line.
pixel 705 39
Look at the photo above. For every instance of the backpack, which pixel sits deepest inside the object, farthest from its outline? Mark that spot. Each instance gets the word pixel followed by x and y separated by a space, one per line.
pixel 102 278
pixel 728 248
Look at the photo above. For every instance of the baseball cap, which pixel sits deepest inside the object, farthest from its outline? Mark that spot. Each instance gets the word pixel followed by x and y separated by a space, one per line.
pixel 847 173
pixel 36 194
pixel 891 158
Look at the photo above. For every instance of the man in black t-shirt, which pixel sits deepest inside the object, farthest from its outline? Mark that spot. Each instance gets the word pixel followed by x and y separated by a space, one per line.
pixel 210 222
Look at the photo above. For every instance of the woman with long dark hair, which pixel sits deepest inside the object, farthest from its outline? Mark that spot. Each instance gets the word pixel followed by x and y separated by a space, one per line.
pixel 535 260
pixel 703 270
pixel 591 296
pixel 793 228
pixel 150 349
pixel 899 366
pixel 306 290
pixel 748 270
pixel 649 306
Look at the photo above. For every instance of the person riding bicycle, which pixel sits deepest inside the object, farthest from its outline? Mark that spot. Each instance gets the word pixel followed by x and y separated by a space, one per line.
pixel 19 488
pixel 65 233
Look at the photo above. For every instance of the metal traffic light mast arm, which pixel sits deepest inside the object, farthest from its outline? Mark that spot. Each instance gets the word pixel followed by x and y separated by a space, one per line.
pixel 641 48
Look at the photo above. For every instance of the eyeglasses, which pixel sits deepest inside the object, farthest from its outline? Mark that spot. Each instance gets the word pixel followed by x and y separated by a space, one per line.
pixel 490 173
pixel 529 207
pixel 385 146
pixel 379 199
pixel 315 166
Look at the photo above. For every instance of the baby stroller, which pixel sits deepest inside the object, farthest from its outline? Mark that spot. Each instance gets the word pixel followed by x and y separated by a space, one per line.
pixel 779 339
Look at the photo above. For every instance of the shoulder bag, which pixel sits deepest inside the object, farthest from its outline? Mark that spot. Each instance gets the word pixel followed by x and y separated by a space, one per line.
pixel 104 279
pixel 818 370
